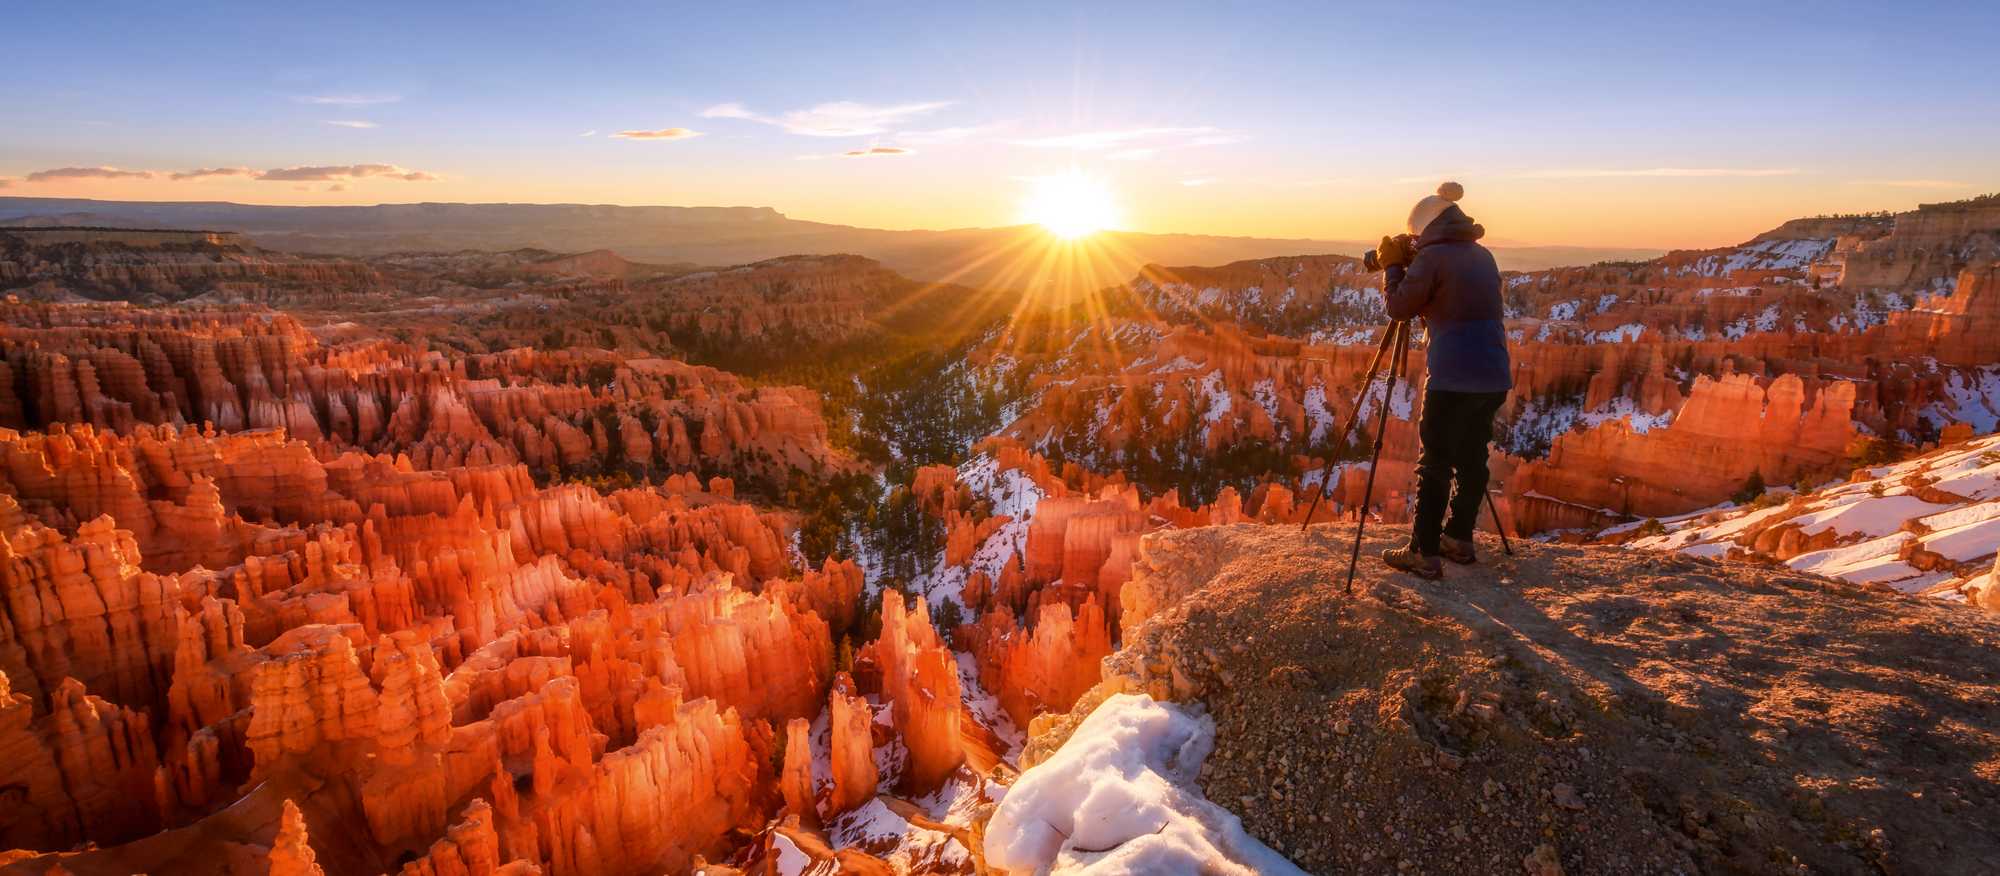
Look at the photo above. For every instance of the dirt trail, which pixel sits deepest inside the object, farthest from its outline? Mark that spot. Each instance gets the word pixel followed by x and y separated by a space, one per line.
pixel 1587 710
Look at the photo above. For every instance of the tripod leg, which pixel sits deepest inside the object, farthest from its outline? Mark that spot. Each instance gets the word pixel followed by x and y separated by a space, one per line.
pixel 1374 366
pixel 1505 545
pixel 1402 330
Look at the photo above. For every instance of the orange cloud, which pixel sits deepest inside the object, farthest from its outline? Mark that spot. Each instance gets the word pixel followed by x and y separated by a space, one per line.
pixel 661 134
pixel 88 173
pixel 337 172
pixel 201 172
pixel 877 151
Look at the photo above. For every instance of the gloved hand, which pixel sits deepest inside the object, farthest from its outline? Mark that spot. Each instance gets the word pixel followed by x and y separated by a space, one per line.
pixel 1396 251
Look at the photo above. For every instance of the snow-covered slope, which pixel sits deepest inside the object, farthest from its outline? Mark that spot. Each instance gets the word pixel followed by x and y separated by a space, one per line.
pixel 1926 525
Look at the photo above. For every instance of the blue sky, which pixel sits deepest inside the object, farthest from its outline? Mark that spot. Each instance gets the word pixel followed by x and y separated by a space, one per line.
pixel 1674 124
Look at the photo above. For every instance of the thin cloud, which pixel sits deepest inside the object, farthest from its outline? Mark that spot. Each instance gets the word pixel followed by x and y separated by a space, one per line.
pixel 59 173
pixel 590 133
pixel 337 187
pixel 837 119
pixel 877 152
pixel 1200 181
pixel 1424 179
pixel 341 172
pixel 946 135
pixel 205 172
pixel 661 134
pixel 1099 140
pixel 6 181
pixel 1668 172
pixel 1912 183
pixel 308 173
pixel 351 123
pixel 1133 154
pixel 730 111
pixel 348 99
pixel 1330 181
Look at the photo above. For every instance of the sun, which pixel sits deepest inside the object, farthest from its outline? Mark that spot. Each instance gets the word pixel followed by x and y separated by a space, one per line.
pixel 1070 205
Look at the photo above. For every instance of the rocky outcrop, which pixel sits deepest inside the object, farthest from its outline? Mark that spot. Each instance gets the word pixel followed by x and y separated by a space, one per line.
pixel 1429 739
pixel 162 265
pixel 356 590
pixel 80 608
pixel 1935 240
pixel 653 806
pixel 556 412
pixel 1729 430
pixel 919 679
pixel 822 298
pixel 291 853
pixel 1043 668
pixel 1926 525
pixel 84 768
pixel 1962 328
pixel 795 778
pixel 852 757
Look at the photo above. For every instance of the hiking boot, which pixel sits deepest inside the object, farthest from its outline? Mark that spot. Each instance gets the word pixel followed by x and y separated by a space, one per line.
pixel 1460 551
pixel 1407 559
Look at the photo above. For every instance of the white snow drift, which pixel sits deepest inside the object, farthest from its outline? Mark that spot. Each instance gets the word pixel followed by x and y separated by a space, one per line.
pixel 1120 798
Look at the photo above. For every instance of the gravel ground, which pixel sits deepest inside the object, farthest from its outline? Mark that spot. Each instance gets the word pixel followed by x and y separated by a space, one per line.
pixel 1573 709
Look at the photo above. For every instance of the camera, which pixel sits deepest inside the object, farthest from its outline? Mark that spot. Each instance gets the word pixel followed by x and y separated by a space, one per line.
pixel 1396 250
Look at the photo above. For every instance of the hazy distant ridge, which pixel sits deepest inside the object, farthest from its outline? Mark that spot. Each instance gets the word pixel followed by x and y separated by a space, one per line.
pixel 704 235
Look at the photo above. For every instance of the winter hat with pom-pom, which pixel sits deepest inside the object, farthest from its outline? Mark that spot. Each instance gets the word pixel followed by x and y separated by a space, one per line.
pixel 1433 206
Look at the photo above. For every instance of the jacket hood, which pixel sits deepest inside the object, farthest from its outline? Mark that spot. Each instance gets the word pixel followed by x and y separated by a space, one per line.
pixel 1451 225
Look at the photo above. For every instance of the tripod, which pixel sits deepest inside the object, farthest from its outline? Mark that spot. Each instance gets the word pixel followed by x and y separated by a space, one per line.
pixel 1396 344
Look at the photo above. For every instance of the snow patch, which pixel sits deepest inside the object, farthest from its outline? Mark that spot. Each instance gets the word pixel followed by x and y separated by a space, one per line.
pixel 1266 393
pixel 791 861
pixel 1971 397
pixel 1011 493
pixel 1120 798
pixel 1317 412
pixel 1626 333
pixel 876 828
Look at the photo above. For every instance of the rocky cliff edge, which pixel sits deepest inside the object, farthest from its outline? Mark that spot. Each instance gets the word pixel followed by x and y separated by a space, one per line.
pixel 1580 710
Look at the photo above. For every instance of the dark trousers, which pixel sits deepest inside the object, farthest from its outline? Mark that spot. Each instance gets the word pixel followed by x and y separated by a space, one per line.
pixel 1455 429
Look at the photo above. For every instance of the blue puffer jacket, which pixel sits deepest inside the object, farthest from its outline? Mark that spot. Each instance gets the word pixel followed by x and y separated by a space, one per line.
pixel 1454 284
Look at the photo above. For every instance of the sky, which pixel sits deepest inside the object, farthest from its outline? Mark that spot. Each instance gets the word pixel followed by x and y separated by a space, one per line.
pixel 1659 124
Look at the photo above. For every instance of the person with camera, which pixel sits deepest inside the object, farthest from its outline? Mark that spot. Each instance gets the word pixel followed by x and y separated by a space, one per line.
pixel 1439 271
